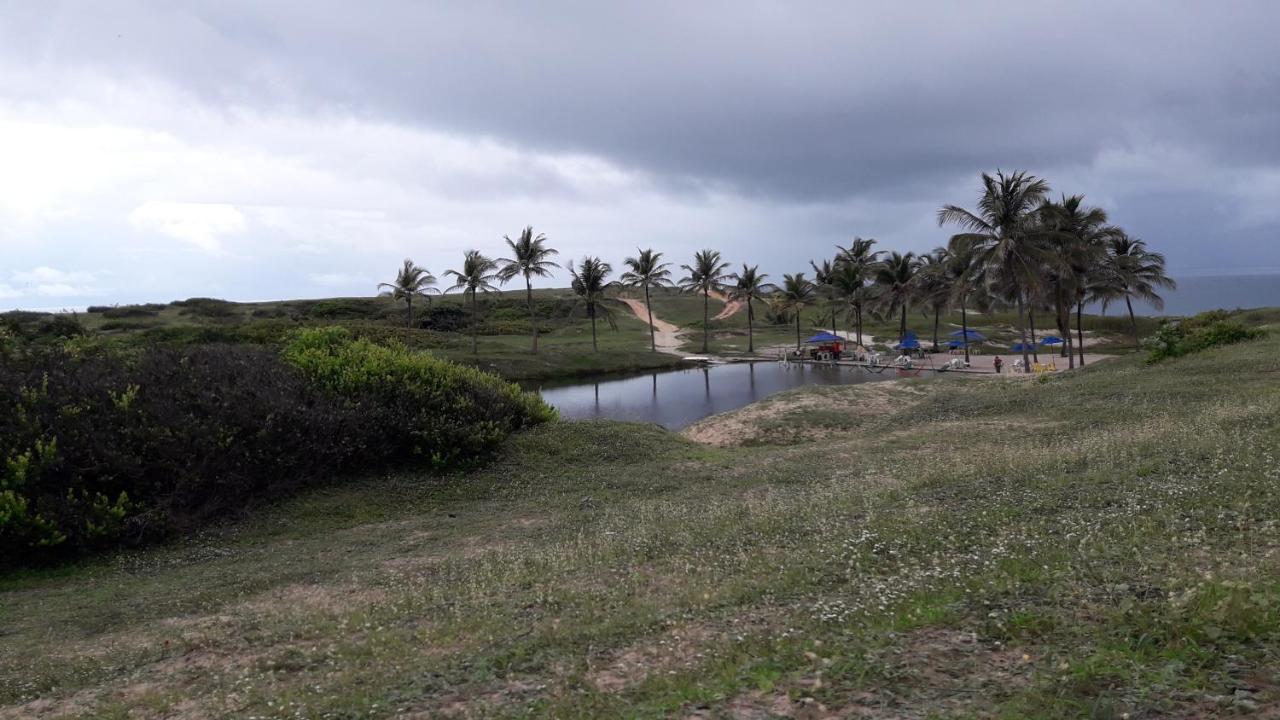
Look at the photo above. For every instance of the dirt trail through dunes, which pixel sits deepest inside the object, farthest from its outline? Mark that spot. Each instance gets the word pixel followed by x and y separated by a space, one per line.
pixel 731 307
pixel 666 337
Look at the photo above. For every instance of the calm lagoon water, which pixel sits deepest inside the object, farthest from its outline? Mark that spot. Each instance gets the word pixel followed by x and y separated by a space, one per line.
pixel 677 398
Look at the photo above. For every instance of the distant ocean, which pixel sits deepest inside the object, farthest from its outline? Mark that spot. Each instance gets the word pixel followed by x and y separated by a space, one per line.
pixel 1211 292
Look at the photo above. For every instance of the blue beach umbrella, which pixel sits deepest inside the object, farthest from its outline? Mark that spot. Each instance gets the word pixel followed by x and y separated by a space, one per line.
pixel 974 336
pixel 1019 347
pixel 1051 340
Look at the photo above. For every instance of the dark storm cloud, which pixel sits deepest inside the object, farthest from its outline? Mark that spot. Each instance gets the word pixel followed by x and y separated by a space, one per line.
pixel 794 100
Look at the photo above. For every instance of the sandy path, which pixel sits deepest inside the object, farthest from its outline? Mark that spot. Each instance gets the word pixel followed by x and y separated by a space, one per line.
pixel 666 337
pixel 731 307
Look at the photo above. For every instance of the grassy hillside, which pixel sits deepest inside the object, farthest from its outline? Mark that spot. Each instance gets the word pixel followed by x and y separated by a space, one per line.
pixel 445 325
pixel 1099 544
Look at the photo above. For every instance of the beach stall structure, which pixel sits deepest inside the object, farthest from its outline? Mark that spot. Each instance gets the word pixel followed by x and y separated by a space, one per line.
pixel 826 345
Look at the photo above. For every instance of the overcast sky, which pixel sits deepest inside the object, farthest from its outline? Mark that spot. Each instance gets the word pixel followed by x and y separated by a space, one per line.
pixel 252 149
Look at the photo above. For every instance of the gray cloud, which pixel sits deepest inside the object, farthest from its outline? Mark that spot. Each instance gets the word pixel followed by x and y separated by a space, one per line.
pixel 834 116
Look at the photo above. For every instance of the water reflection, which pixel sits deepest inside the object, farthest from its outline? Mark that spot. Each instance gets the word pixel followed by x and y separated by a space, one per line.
pixel 677 402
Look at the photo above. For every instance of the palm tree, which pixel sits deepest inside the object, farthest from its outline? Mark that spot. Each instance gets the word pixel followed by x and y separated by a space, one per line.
pixel 590 283
pixel 1133 271
pixel 797 292
pixel 1077 238
pixel 529 257
pixel 895 278
pixel 964 276
pixel 1002 233
pixel 823 277
pixel 477 274
pixel 706 274
pixel 749 286
pixel 933 285
pixel 858 260
pixel 410 281
pixel 647 270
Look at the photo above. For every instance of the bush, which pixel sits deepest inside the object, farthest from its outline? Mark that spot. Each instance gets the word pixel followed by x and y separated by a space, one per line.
pixel 431 408
pixel 444 318
pixel 347 309
pixel 127 311
pixel 1206 330
pixel 212 308
pixel 103 449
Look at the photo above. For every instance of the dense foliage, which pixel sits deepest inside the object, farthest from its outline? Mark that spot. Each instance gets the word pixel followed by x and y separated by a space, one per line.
pixel 103 449
pixel 427 406
pixel 1206 330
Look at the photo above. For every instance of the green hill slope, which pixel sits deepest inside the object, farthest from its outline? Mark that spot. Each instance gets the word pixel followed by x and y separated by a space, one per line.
pixel 1100 544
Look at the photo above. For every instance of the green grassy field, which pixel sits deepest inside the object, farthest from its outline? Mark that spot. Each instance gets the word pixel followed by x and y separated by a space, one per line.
pixel 1101 544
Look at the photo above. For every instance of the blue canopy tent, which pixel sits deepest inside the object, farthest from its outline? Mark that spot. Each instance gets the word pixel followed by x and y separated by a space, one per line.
pixel 1051 340
pixel 825 337
pixel 974 336
pixel 909 342
pixel 1019 347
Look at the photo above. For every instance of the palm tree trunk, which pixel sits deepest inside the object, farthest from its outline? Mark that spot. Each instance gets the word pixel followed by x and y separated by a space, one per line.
pixel 1080 330
pixel 653 342
pixel 858 311
pixel 1022 331
pixel 408 321
pixel 475 325
pixel 797 329
pixel 902 326
pixel 1133 323
pixel 592 309
pixel 1031 316
pixel 751 330
pixel 835 330
pixel 935 328
pixel 964 328
pixel 533 319
pixel 706 317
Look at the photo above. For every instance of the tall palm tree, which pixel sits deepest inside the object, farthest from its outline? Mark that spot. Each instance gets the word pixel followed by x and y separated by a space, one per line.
pixel 590 281
pixel 1077 237
pixel 933 285
pixel 1003 234
pixel 411 281
pixel 477 274
pixel 530 257
pixel 823 285
pixel 1133 271
pixel 895 281
pixel 647 270
pixel 858 259
pixel 797 292
pixel 706 274
pixel 964 276
pixel 748 287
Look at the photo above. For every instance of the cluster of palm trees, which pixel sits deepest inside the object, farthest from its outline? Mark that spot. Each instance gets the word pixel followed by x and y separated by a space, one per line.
pixel 1018 249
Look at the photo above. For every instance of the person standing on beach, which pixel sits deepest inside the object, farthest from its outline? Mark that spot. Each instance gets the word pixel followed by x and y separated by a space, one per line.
pixel 998 363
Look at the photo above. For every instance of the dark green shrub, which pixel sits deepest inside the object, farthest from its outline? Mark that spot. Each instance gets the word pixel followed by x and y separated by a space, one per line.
pixel 437 409
pixel 444 318
pixel 346 309
pixel 211 308
pixel 105 449
pixel 1206 330
pixel 133 311
pixel 99 449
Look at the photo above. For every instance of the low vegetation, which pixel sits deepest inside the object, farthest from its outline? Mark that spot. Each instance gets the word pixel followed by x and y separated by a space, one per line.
pixel 1204 331
pixel 107 448
pixel 1098 544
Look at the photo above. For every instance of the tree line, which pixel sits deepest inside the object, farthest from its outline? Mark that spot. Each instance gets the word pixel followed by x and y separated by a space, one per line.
pixel 1017 249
